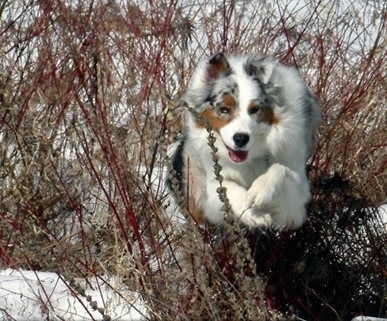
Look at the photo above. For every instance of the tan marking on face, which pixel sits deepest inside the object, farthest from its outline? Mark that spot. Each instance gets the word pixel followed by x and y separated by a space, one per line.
pixel 269 118
pixel 214 114
pixel 229 101
pixel 263 114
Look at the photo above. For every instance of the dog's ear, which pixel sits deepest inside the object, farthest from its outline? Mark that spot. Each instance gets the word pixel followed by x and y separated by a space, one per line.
pixel 216 66
pixel 260 68
pixel 203 79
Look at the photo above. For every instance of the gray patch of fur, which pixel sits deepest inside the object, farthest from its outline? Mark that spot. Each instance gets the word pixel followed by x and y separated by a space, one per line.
pixel 223 87
pixel 215 91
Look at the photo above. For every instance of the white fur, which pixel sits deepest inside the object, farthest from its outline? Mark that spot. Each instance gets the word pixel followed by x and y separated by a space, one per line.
pixel 270 186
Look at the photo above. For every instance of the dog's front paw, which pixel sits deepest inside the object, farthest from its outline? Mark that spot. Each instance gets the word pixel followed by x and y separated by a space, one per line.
pixel 281 194
pixel 265 192
pixel 255 218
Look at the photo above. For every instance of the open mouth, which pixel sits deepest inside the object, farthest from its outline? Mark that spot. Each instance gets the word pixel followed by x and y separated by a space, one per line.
pixel 237 156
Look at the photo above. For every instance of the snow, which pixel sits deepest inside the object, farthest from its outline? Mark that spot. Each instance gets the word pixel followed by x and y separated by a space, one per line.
pixel 29 295
pixel 382 210
pixel 363 318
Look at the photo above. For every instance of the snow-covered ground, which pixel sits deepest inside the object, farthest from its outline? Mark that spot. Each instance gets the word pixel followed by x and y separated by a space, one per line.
pixel 28 295
pixel 383 215
pixel 362 318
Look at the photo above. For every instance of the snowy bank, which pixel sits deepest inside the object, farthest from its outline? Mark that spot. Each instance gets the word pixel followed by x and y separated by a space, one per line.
pixel 363 318
pixel 28 295
pixel 382 210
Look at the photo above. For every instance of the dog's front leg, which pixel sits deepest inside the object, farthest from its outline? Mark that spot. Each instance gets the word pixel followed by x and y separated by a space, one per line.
pixel 237 196
pixel 282 193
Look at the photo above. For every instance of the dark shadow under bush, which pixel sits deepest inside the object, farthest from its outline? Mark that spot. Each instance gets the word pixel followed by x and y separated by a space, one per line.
pixel 333 268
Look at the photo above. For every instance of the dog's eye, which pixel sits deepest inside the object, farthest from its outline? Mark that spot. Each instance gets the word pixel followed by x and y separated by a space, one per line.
pixel 253 110
pixel 224 110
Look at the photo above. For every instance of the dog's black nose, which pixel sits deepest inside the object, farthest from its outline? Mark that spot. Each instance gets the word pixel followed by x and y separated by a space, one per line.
pixel 241 139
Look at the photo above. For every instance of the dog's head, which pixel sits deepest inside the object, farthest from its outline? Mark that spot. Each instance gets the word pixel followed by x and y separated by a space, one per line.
pixel 237 97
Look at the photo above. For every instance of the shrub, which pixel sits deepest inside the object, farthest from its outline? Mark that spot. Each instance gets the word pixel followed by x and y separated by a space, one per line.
pixel 84 91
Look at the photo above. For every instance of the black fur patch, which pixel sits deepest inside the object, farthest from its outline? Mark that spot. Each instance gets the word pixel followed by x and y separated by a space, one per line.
pixel 177 165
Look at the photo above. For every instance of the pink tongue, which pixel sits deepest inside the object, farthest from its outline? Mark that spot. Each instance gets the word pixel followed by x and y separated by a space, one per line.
pixel 237 155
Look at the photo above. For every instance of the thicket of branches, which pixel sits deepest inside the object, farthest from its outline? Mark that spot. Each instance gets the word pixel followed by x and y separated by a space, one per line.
pixel 85 90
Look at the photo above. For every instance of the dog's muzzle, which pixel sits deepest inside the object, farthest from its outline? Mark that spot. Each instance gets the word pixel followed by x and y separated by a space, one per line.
pixel 240 140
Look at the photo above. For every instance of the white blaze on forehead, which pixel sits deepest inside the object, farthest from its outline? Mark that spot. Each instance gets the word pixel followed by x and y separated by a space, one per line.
pixel 248 91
